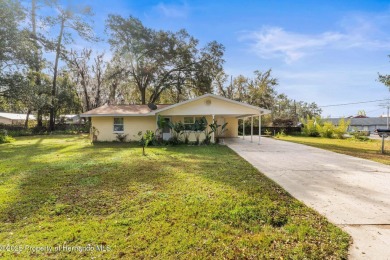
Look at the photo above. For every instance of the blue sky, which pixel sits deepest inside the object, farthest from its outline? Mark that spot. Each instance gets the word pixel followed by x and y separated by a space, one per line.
pixel 329 52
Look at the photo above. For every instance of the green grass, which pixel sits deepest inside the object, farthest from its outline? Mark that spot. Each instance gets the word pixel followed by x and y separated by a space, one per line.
pixel 370 149
pixel 183 202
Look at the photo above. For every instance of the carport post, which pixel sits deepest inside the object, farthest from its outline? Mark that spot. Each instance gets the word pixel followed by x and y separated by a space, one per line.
pixel 213 134
pixel 259 128
pixel 243 128
pixel 251 129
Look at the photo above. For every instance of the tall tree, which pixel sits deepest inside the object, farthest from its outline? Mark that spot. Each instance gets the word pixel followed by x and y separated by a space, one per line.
pixel 89 75
pixel 11 12
pixel 157 61
pixel 68 19
pixel 385 79
pixel 36 64
pixel 261 90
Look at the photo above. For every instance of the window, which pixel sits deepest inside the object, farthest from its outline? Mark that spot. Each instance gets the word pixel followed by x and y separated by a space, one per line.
pixel 189 121
pixel 118 124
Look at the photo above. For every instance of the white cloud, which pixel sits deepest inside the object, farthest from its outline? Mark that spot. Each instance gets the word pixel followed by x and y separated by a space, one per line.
pixel 173 11
pixel 357 31
pixel 272 42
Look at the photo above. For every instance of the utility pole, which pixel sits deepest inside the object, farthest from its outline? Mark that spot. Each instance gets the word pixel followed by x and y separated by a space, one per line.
pixel 387 105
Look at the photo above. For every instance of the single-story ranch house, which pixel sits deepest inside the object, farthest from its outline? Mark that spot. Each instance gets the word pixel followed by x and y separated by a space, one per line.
pixel 110 120
pixel 14 119
pixel 363 124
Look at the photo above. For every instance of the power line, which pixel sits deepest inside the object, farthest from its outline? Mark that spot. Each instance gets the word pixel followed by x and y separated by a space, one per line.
pixel 354 103
pixel 375 110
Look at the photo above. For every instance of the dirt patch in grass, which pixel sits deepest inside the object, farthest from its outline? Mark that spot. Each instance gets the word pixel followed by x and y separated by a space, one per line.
pixel 64 194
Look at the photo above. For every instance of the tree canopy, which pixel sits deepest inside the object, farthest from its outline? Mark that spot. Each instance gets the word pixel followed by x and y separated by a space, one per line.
pixel 157 60
pixel 45 73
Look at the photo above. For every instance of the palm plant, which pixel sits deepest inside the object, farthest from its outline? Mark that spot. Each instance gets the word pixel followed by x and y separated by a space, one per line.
pixel 219 130
pixel 177 130
pixel 198 128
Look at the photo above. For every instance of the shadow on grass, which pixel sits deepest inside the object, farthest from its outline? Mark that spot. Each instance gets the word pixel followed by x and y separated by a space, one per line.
pixel 196 190
pixel 95 179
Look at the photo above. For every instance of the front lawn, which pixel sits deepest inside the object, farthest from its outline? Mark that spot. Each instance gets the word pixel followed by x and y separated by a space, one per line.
pixel 61 197
pixel 370 149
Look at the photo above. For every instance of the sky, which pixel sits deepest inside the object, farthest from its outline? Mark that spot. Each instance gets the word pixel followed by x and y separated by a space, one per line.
pixel 328 52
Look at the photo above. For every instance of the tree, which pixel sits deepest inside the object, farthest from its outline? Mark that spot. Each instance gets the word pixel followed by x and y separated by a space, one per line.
pixel 385 79
pixel 11 13
pixel 67 101
pixel 261 90
pixel 37 60
pixel 157 61
pixel 67 19
pixel 88 75
pixel 362 113
pixel 115 77
pixel 221 85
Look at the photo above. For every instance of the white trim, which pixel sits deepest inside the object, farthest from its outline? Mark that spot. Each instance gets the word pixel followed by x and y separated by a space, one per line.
pixel 155 112
pixel 243 128
pixel 259 129
pixel 213 134
pixel 251 129
pixel 113 125
pixel 114 115
pixel 265 111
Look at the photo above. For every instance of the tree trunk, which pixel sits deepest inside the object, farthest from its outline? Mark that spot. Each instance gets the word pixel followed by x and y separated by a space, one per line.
pixel 84 84
pixel 39 118
pixel 54 87
pixel 26 122
pixel 113 87
pixel 37 65
pixel 143 95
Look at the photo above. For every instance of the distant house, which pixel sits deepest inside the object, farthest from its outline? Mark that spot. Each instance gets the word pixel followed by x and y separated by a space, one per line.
pixel 111 120
pixel 71 119
pixel 363 123
pixel 14 119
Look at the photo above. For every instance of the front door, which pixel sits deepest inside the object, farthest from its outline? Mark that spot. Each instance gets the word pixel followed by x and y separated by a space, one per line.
pixel 166 133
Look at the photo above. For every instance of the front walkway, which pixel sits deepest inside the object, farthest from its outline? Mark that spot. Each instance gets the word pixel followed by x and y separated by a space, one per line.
pixel 351 192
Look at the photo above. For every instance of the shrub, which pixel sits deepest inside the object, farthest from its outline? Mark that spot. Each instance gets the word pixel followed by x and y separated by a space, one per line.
pixel 326 130
pixel 4 137
pixel 316 127
pixel 177 130
pixel 146 138
pixel 342 128
pixel 280 134
pixel 121 137
pixel 311 126
pixel 174 140
pixel 359 135
pixel 198 128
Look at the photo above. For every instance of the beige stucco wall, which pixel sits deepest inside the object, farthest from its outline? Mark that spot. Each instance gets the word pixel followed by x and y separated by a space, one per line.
pixel 232 126
pixel 132 125
pixel 226 111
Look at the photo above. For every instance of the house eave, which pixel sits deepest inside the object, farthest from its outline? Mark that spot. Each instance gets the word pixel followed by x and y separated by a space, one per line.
pixel 116 115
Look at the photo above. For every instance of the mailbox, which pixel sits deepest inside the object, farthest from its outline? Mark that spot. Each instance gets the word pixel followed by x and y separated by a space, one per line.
pixel 383 132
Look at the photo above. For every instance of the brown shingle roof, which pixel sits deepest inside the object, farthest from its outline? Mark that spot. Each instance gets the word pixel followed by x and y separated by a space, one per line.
pixel 121 110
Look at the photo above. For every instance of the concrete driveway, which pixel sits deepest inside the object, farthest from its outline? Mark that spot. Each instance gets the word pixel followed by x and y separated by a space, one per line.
pixel 351 192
